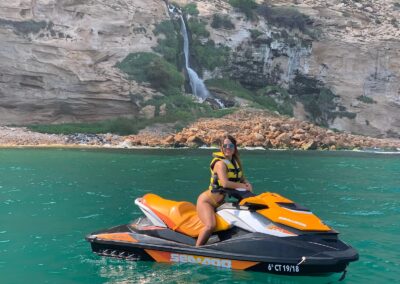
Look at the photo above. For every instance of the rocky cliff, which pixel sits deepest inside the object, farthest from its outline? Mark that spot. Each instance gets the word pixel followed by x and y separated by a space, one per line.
pixel 58 57
pixel 354 51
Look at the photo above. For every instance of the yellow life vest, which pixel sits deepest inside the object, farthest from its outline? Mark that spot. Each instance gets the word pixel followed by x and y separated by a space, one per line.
pixel 234 172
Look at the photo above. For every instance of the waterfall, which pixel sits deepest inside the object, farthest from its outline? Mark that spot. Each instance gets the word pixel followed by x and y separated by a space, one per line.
pixel 198 87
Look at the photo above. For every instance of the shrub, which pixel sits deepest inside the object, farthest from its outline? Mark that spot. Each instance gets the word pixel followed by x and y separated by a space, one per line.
pixel 205 53
pixel 276 98
pixel 288 18
pixel 191 9
pixel 255 33
pixel 281 102
pixel 350 115
pixel 169 46
pixel 163 76
pixel 208 55
pixel 122 126
pixel 198 28
pixel 26 27
pixel 394 23
pixel 318 100
pixel 149 67
pixel 247 7
pixel 232 87
pixel 366 100
pixel 133 65
pixel 222 21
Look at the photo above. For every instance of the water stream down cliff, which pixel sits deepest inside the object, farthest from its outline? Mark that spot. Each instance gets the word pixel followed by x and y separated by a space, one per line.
pixel 198 87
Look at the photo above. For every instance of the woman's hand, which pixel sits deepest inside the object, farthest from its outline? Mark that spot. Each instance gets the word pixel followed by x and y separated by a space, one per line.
pixel 249 187
pixel 246 186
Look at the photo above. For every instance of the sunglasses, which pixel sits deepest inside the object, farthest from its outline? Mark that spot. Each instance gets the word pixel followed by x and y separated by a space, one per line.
pixel 228 146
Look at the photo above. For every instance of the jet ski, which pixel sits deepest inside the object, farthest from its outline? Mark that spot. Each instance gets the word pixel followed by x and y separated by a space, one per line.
pixel 265 232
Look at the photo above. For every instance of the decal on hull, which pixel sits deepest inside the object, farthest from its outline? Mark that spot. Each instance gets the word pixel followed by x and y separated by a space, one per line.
pixel 162 256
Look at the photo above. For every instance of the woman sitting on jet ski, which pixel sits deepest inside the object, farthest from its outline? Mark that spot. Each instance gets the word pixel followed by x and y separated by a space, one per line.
pixel 226 174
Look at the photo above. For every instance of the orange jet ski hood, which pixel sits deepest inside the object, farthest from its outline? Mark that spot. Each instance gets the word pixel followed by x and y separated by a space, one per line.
pixel 284 211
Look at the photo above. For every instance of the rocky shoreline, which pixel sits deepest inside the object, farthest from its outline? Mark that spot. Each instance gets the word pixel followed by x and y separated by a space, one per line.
pixel 15 137
pixel 256 128
pixel 252 128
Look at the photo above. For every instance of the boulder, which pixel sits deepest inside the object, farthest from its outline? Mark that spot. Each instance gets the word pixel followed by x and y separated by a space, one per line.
pixel 179 138
pixel 194 141
pixel 310 145
pixel 169 140
pixel 258 137
pixel 284 138
pixel 148 111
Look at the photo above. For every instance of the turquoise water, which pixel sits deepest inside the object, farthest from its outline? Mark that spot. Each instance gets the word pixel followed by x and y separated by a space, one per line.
pixel 50 199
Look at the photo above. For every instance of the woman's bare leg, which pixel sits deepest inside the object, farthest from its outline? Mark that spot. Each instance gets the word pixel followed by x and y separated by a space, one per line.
pixel 206 214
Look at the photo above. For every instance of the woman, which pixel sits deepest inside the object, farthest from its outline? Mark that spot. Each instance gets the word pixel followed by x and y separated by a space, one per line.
pixel 227 173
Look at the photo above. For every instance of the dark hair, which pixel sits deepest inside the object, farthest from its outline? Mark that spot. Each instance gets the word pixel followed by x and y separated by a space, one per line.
pixel 235 155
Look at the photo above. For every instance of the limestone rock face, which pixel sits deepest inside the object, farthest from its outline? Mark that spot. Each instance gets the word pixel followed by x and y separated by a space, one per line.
pixel 58 57
pixel 360 69
pixel 357 53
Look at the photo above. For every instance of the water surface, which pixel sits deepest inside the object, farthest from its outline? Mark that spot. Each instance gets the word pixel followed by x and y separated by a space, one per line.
pixel 50 199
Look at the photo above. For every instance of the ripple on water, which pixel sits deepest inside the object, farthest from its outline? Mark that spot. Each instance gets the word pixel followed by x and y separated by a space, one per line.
pixel 348 198
pixel 105 196
pixel 89 216
pixel 334 224
pixel 360 213
pixel 49 203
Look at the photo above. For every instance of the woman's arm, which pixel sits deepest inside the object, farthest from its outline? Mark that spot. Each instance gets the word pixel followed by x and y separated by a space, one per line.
pixel 221 170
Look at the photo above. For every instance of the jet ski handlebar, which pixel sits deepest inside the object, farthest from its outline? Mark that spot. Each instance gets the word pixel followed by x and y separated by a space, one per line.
pixel 238 193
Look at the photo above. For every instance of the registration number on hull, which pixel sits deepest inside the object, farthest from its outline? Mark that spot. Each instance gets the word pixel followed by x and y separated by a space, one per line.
pixel 283 268
pixel 184 258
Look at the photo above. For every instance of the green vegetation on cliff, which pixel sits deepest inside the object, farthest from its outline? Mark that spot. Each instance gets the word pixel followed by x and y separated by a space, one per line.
pixel 285 17
pixel 247 7
pixel 148 68
pixel 197 29
pixel 190 9
pixel 366 99
pixel 222 22
pixel 122 126
pixel 273 98
pixel 26 27
pixel 289 18
pixel 205 54
pixel 126 126
pixel 318 100
pixel 209 56
pixel 169 46
pixel 276 98
pixel 151 68
pixel 233 88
